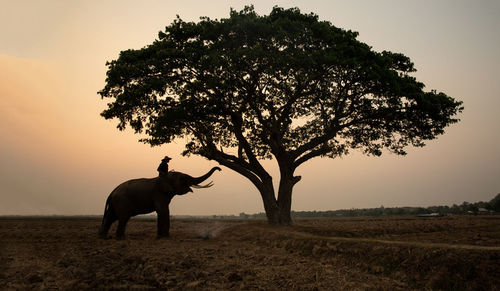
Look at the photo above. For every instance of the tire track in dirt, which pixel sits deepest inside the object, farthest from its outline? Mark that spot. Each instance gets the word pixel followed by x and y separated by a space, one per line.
pixel 380 241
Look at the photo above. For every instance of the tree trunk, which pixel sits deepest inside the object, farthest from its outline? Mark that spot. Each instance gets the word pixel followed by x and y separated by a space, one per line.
pixel 270 204
pixel 278 210
pixel 285 198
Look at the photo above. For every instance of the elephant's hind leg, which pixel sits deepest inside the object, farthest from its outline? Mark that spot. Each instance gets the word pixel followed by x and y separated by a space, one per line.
pixel 107 220
pixel 120 230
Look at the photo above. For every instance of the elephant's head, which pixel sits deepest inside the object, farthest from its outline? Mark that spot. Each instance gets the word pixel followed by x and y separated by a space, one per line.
pixel 181 183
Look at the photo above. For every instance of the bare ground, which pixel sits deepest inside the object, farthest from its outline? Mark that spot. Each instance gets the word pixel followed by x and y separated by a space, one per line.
pixel 451 253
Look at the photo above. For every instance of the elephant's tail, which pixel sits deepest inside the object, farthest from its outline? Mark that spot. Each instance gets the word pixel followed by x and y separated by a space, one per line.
pixel 107 211
pixel 107 207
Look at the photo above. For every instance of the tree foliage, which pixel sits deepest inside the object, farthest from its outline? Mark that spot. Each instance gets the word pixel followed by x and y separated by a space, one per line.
pixel 284 85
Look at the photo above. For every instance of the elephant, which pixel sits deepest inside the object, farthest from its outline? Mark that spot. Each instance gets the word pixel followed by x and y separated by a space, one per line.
pixel 145 195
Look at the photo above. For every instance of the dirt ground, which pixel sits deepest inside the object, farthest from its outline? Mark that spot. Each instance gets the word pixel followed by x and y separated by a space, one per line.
pixel 446 253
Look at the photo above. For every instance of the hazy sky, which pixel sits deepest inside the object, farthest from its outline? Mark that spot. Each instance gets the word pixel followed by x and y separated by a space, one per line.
pixel 58 156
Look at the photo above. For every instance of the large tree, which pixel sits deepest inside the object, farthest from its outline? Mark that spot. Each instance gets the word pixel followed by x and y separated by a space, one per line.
pixel 285 86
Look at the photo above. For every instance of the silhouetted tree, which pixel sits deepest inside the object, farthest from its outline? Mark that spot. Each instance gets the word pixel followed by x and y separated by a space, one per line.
pixel 285 86
pixel 494 204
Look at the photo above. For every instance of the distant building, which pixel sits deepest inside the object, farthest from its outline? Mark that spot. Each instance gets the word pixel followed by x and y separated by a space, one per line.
pixel 484 211
pixel 435 214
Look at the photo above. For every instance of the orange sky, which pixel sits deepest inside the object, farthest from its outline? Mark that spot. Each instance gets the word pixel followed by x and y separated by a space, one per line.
pixel 58 156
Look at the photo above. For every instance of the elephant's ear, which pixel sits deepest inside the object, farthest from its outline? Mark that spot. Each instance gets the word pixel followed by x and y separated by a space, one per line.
pixel 165 186
pixel 185 180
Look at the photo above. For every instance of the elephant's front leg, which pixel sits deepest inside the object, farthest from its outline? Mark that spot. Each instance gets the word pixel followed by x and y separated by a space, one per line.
pixel 163 223
pixel 163 213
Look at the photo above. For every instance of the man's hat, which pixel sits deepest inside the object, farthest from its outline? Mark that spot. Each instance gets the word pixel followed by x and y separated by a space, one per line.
pixel 166 158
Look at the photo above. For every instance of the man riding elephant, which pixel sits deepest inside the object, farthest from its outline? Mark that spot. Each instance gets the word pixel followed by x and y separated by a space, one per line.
pixel 163 167
pixel 145 195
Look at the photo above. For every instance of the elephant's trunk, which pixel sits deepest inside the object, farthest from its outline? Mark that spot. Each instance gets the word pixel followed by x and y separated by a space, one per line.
pixel 198 180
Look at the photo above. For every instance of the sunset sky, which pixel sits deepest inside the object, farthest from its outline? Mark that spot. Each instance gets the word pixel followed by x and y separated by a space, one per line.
pixel 59 156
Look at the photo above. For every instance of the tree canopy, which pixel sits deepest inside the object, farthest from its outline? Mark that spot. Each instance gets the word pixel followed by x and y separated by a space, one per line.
pixel 286 86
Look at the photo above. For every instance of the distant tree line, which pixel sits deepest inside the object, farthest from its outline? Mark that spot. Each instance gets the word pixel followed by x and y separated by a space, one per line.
pixel 493 206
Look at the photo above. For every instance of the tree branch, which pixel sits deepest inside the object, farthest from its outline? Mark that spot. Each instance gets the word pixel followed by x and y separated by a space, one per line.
pixel 235 164
pixel 310 155
pixel 331 133
pixel 243 143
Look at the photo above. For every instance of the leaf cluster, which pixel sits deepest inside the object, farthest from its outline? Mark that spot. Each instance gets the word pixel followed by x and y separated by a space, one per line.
pixel 286 85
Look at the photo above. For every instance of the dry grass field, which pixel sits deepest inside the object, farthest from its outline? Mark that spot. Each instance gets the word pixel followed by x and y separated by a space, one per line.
pixel 402 253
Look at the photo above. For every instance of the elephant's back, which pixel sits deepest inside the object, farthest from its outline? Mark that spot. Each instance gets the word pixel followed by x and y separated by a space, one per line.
pixel 136 185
